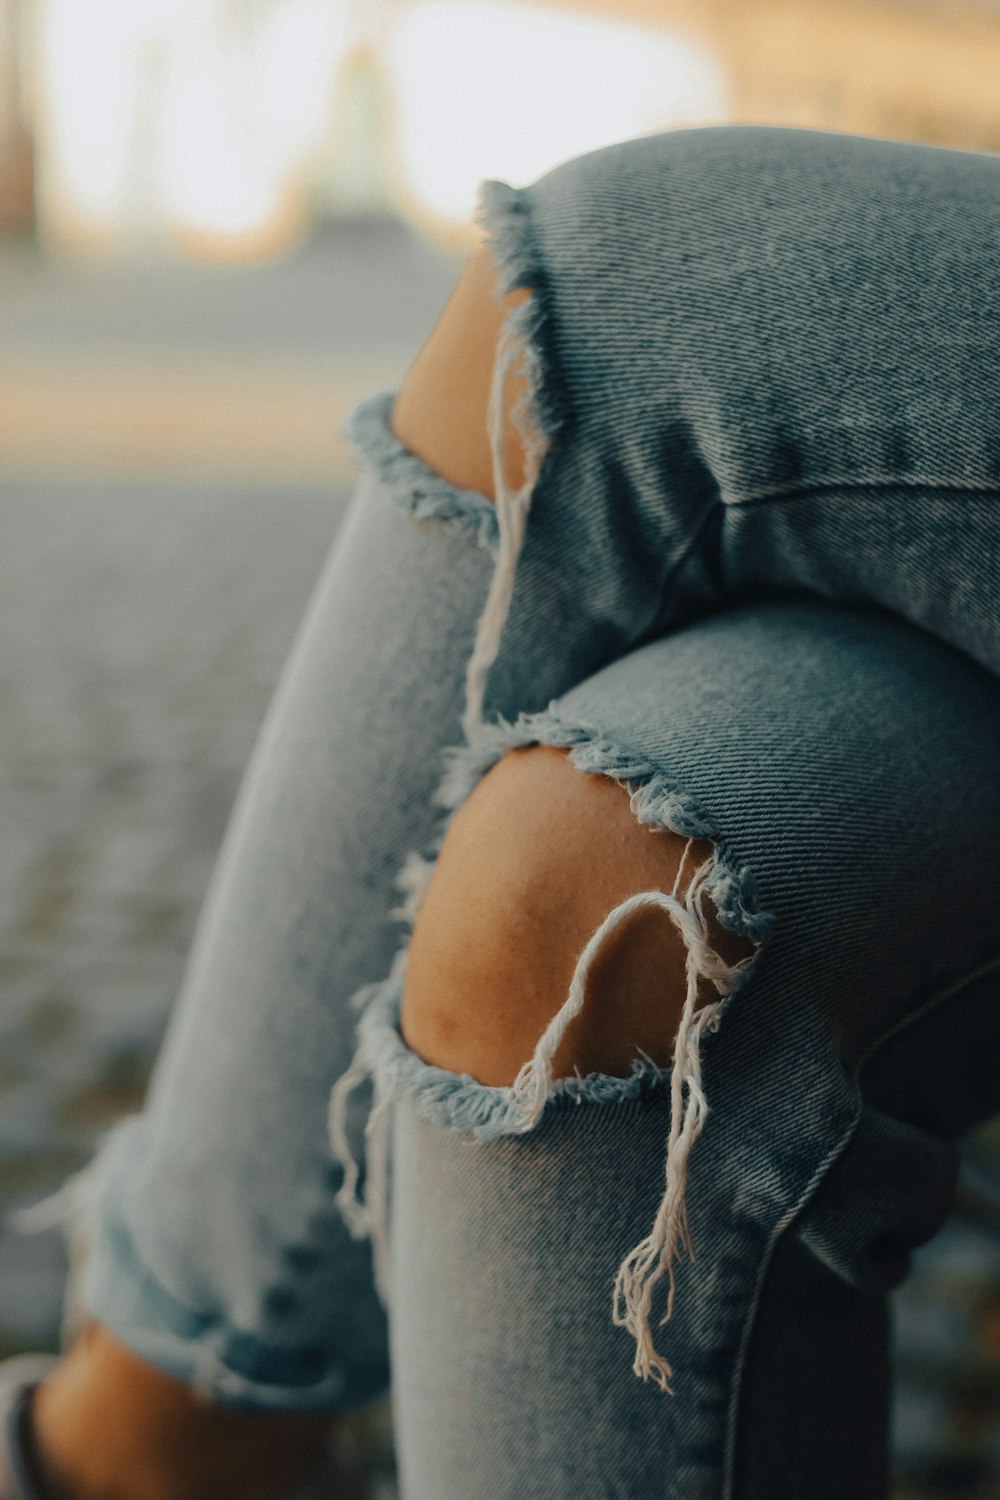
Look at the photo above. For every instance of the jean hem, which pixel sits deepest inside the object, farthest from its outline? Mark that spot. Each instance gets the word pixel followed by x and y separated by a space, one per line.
pixel 199 1349
pixel 110 1283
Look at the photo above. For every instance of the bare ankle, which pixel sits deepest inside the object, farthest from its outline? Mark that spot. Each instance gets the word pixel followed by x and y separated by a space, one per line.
pixel 110 1426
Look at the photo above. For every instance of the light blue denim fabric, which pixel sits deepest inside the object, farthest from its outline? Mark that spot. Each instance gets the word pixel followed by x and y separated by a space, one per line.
pixel 757 584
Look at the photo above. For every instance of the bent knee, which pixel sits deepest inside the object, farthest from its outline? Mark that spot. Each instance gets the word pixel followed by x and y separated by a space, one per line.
pixel 532 864
pixel 442 410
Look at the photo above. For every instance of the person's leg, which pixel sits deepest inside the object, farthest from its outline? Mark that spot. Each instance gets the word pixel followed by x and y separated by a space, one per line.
pixel 745 395
pixel 739 392
pixel 670 349
pixel 225 1299
pixel 840 771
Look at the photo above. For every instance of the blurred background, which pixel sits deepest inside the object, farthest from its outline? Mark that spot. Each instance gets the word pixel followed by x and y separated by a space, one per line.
pixel 221 222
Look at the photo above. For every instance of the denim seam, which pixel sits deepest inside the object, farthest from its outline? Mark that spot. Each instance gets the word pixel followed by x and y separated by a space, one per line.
pixel 739 1368
pixel 949 992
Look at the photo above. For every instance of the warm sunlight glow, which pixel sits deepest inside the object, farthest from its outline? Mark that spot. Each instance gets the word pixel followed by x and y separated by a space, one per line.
pixel 160 114
pixel 242 114
pixel 212 123
pixel 508 90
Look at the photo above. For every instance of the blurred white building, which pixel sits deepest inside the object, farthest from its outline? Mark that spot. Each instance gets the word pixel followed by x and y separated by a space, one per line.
pixel 220 127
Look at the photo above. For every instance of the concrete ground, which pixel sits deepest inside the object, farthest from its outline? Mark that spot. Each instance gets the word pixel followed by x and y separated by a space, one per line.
pixel 170 479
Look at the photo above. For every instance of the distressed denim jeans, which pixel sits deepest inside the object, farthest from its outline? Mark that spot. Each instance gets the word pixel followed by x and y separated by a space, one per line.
pixel 752 575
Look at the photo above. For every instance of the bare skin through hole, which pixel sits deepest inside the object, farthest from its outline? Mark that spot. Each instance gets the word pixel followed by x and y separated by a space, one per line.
pixel 441 411
pixel 532 863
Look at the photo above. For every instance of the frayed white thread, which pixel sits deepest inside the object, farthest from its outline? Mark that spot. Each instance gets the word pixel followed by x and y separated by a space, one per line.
pixel 645 1266
pixel 512 513
pixel 397 969
pixel 54 1209
pixel 68 1210
pixel 354 1210
pixel 681 867
pixel 366 1217
pixel 533 1084
pixel 377 1193
pixel 413 879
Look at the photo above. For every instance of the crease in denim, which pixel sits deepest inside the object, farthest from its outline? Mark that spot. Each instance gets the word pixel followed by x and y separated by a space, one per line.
pixel 950 992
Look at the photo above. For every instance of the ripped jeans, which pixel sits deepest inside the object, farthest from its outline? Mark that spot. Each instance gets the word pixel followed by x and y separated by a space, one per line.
pixel 752 575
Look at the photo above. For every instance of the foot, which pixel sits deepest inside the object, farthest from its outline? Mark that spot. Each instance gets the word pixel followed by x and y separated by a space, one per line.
pixel 19 1379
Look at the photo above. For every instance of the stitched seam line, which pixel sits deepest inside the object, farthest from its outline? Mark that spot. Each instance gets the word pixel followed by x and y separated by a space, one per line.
pixel 948 993
pixel 734 1412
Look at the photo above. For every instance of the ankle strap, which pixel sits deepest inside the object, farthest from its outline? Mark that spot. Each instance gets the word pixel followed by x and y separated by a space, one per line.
pixel 21 1455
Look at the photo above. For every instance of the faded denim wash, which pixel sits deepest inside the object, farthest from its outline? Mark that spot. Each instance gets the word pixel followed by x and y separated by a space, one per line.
pixel 752 575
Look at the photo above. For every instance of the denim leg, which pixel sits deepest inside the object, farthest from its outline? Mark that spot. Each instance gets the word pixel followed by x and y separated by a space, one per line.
pixel 722 326
pixel 214 1247
pixel 850 767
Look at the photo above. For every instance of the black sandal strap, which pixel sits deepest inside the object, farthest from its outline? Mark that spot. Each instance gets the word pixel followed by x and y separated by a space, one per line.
pixel 21 1454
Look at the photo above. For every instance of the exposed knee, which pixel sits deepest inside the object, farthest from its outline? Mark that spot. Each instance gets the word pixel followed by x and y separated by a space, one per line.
pixel 441 411
pixel 531 866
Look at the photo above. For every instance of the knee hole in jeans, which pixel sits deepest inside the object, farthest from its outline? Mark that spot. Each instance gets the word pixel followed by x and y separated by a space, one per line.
pixel 531 866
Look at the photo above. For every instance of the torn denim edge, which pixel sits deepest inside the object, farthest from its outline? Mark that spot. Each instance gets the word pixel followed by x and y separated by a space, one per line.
pixel 656 800
pixel 525 346
pixel 460 1102
pixel 505 216
pixel 410 482
pixel 486 1113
